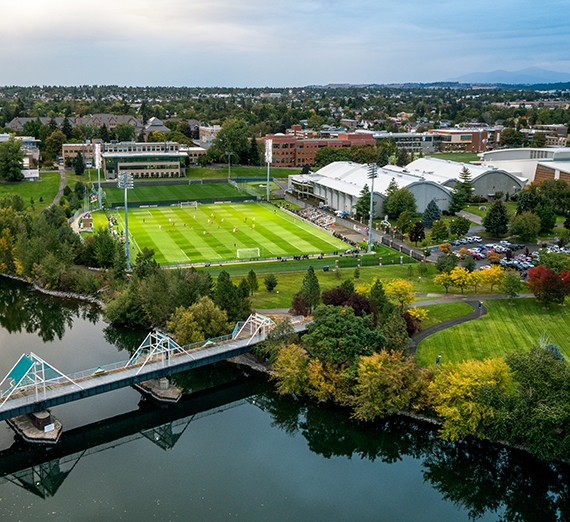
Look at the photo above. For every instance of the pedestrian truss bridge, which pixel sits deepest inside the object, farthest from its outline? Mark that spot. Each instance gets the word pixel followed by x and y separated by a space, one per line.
pixel 34 385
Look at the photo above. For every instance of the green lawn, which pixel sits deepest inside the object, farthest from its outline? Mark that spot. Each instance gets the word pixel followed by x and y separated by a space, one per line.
pixel 174 193
pixel 289 283
pixel 505 328
pixel 46 189
pixel 239 172
pixel 439 313
pixel 211 233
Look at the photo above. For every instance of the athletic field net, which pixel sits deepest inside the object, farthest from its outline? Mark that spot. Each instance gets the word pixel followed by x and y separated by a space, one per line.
pixel 248 253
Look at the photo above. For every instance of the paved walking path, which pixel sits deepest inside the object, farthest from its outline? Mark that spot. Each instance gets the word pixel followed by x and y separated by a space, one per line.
pixel 471 217
pixel 62 184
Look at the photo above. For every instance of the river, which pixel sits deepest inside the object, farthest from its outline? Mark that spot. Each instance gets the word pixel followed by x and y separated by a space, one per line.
pixel 233 449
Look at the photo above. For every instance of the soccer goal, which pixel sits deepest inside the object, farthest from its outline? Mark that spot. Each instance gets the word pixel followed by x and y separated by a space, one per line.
pixel 247 253
pixel 188 204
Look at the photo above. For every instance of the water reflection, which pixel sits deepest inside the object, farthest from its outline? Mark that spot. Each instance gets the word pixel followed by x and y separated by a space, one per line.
pixel 475 475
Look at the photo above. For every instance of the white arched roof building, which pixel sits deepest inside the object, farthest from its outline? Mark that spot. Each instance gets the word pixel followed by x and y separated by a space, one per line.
pixel 339 184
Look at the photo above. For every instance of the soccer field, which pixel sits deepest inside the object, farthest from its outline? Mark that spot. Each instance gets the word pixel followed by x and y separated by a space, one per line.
pixel 143 194
pixel 211 233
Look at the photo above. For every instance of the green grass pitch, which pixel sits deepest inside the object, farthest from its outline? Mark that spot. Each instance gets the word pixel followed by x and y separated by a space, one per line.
pixel 142 194
pixel 211 233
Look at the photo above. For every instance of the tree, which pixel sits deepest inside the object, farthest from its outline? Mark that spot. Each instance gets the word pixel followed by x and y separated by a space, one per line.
pixel 539 140
pixel 362 206
pixel 526 225
pixel 403 157
pixel 494 276
pixel 387 382
pixel 232 137
pixel 281 335
pixel 379 303
pixel 461 278
pixel 456 394
pixel 444 279
pixel 79 164
pixel 469 263
pixel 394 329
pixel 432 213
pixel 392 188
pixel 496 221
pixel 512 138
pixel 459 226
pixel 226 297
pixel 203 320
pixel 400 201
pixel 417 233
pixel 54 142
pixel 310 289
pixel 422 268
pixel 290 370
pixel 270 282
pixel 11 160
pixel 512 285
pixel 446 263
pixel 383 157
pixel 405 222
pixel 252 281
pixel 548 286
pixel 299 306
pixel 338 336
pixel 547 217
pixel 556 261
pixel 66 127
pixel 462 191
pixel 439 231
pixel 401 291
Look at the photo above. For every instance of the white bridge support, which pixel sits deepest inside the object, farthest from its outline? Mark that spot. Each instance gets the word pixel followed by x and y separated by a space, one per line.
pixel 256 324
pixel 155 347
pixel 32 372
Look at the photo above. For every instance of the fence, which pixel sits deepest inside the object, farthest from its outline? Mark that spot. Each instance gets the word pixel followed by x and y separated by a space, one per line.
pixel 208 201
pixel 243 188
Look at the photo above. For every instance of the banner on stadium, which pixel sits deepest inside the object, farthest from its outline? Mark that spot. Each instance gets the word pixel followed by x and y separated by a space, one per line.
pixel 97 155
pixel 268 151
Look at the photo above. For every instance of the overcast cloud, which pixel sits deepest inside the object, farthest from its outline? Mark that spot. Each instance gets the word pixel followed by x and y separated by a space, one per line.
pixel 276 43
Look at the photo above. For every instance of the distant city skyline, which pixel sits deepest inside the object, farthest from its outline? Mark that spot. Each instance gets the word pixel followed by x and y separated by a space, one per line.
pixel 267 43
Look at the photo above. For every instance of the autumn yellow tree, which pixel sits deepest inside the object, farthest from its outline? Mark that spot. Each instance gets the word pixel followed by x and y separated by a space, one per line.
pixel 445 248
pixel 401 291
pixel 461 278
pixel 494 276
pixel 476 279
pixel 7 250
pixel 456 390
pixel 444 279
pixel 328 381
pixel 387 381
pixel 290 370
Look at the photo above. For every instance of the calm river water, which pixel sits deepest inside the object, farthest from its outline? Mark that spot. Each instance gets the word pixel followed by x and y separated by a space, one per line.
pixel 234 450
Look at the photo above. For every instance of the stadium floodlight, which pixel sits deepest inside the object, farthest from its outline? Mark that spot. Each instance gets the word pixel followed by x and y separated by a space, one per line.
pixel 125 181
pixel 229 154
pixel 372 175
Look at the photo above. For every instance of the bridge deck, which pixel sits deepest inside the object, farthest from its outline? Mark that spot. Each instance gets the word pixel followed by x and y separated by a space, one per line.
pixel 117 375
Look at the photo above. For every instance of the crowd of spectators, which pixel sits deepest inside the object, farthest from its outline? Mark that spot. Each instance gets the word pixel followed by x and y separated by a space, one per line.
pixel 316 216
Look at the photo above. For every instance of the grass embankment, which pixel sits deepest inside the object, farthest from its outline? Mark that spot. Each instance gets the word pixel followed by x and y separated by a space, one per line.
pixel 504 329
pixel 461 157
pixel 45 189
pixel 238 172
pixel 289 283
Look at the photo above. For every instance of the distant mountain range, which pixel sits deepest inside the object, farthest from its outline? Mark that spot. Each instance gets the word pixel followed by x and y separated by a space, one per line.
pixel 531 75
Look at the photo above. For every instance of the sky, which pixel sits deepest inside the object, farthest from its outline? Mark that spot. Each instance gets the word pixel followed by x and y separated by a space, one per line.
pixel 281 43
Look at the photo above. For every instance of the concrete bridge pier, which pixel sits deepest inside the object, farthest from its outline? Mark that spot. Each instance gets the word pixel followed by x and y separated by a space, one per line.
pixel 37 428
pixel 161 390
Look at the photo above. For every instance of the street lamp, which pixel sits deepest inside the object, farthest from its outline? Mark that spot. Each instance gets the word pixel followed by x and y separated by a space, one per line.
pixel 229 155
pixel 125 181
pixel 419 282
pixel 372 175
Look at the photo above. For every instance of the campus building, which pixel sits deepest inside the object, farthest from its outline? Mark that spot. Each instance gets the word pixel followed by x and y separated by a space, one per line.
pixel 532 164
pixel 69 151
pixel 340 184
pixel 468 139
pixel 294 151
pixel 144 160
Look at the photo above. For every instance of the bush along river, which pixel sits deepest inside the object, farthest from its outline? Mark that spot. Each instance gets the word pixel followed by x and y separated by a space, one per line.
pixel 233 449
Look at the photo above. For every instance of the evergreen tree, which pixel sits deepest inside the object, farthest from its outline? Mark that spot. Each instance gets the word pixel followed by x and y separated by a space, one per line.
pixel 400 201
pixel 469 263
pixel 362 206
pixel 383 158
pixel 392 188
pixel 252 281
pixel 79 164
pixel 403 157
pixel 432 213
pixel 104 133
pixel 394 329
pixel 496 220
pixel 379 303
pixel 461 192
pixel 270 282
pixel 52 125
pixel 66 127
pixel 253 152
pixel 311 290
pixel 227 297
pixel 243 288
pixel 417 233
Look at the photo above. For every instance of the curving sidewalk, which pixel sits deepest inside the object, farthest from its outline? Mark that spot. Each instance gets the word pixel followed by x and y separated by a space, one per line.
pixel 62 184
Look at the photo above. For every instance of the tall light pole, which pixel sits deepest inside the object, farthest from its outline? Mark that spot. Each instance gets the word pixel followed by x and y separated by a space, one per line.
pixel 125 180
pixel 372 175
pixel 229 155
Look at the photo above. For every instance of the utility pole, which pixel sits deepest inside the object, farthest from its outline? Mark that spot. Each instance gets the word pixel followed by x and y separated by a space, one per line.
pixel 229 155
pixel 126 182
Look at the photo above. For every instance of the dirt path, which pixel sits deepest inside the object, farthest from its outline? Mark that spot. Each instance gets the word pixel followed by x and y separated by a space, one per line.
pixel 59 194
